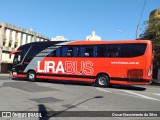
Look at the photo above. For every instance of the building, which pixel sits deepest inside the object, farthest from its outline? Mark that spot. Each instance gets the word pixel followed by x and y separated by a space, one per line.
pixel 59 38
pixel 93 37
pixel 11 37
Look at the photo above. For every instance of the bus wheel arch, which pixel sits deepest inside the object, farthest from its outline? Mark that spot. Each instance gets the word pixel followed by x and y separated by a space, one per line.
pixel 103 80
pixel 31 75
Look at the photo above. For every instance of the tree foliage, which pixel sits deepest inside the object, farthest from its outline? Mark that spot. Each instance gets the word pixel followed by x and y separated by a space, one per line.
pixel 152 32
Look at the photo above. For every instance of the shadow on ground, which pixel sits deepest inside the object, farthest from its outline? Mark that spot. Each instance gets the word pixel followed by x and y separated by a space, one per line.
pixel 129 87
pixel 123 87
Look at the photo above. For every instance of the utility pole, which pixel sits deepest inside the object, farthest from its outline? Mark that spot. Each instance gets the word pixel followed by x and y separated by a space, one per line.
pixel 137 31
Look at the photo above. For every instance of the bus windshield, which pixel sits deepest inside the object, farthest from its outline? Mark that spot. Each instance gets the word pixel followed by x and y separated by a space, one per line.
pixel 17 58
pixel 20 54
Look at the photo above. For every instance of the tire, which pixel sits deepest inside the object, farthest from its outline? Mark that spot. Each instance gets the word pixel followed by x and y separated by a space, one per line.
pixel 103 81
pixel 31 76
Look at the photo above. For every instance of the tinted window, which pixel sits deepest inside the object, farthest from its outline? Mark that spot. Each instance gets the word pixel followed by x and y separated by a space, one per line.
pixel 132 50
pixel 58 52
pixel 54 50
pixel 116 50
pixel 67 51
pixel 76 51
pixel 35 50
pixel 38 52
pixel 20 55
pixel 113 50
pixel 86 51
pixel 102 51
pixel 121 50
pixel 24 49
pixel 52 53
pixel 108 50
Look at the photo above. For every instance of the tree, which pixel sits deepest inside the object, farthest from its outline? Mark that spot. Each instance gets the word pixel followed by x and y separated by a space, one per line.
pixel 152 32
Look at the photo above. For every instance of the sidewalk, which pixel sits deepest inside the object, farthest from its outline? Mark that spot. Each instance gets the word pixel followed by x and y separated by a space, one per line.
pixel 155 82
pixel 5 75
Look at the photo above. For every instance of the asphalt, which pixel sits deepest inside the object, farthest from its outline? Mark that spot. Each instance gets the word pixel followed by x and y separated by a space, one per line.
pixel 50 96
pixel 47 96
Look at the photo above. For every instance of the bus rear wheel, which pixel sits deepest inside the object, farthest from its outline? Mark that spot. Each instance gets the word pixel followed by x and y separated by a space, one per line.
pixel 103 80
pixel 31 76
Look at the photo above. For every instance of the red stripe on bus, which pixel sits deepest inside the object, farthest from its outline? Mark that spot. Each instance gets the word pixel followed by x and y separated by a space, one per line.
pixel 63 78
pixel 19 75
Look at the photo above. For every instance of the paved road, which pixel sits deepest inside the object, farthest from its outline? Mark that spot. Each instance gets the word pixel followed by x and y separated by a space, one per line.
pixel 21 95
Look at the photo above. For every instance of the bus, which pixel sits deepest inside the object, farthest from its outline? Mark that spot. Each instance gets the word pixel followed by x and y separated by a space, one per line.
pixel 105 63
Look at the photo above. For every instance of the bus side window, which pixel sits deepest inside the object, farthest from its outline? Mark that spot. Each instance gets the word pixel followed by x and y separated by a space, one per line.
pixel 75 51
pixel 89 52
pixel 114 50
pixel 70 52
pixel 132 50
pixel 82 51
pixel 52 54
pixel 86 51
pixel 67 51
pixel 58 52
pixel 94 51
pixel 64 51
pixel 102 51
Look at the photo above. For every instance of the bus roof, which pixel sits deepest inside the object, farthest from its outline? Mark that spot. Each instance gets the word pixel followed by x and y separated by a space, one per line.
pixel 83 42
pixel 42 43
pixel 107 42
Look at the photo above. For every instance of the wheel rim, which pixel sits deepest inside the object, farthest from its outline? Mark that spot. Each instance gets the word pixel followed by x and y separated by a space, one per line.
pixel 102 81
pixel 31 76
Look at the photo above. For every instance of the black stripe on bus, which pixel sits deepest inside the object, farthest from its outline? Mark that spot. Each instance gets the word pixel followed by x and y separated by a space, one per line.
pixel 71 76
pixel 130 79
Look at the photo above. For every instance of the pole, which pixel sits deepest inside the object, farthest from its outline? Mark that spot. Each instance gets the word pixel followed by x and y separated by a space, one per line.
pixel 137 31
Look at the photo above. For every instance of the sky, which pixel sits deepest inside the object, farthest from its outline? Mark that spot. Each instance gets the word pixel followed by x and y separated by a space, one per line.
pixel 76 19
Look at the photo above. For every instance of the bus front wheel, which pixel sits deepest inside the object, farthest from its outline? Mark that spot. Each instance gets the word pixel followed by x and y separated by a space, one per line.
pixel 103 80
pixel 31 76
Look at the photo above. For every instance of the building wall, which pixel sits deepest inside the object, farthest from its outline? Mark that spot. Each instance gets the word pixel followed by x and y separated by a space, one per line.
pixel 93 37
pixel 11 37
pixel 59 38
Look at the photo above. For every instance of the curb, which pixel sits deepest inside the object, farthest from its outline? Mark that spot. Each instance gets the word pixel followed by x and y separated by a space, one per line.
pixel 155 82
pixel 5 75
